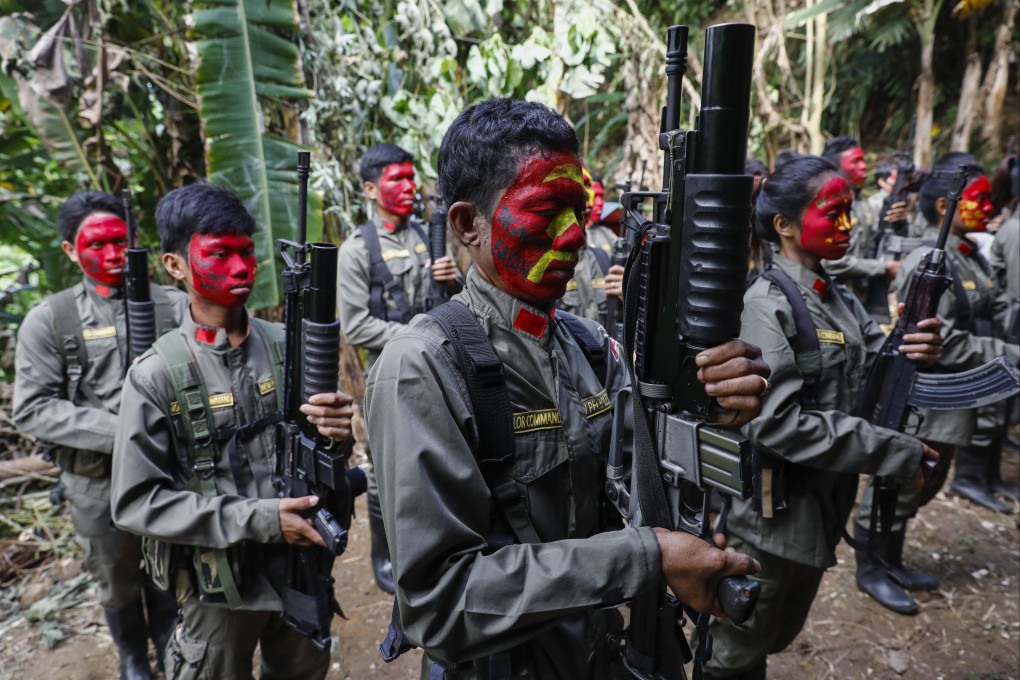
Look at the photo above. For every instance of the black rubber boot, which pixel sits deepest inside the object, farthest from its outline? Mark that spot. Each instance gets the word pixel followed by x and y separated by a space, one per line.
pixel 911 579
pixel 127 626
pixel 756 673
pixel 995 483
pixel 381 566
pixel 873 580
pixel 971 478
pixel 161 618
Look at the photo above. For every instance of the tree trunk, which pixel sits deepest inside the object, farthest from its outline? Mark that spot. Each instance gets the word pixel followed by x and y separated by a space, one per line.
pixel 996 80
pixel 970 102
pixel 820 45
pixel 925 16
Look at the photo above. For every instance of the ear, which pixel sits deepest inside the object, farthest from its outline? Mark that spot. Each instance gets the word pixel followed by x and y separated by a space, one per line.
pixel 941 205
pixel 70 251
pixel 176 266
pixel 371 190
pixel 466 221
pixel 784 227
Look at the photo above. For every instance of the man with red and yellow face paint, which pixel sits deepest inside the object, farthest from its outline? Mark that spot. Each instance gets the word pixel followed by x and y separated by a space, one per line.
pixel 976 204
pixel 206 236
pixel 512 177
pixel 585 294
pixel 80 422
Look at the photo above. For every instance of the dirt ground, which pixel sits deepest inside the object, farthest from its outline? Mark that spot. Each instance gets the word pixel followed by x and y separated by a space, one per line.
pixel 969 629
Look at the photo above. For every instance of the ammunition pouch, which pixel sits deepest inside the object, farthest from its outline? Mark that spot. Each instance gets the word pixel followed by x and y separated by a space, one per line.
pixel 160 559
pixel 206 567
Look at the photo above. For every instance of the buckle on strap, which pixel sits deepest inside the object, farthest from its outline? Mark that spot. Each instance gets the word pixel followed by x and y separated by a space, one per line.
pixel 74 372
pixel 204 468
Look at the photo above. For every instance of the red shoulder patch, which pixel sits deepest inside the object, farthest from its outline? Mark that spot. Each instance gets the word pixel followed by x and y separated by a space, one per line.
pixel 206 335
pixel 531 323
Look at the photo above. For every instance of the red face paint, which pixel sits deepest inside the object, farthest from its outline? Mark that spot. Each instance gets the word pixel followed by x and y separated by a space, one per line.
pixel 825 228
pixel 100 245
pixel 598 200
pixel 396 189
pixel 854 167
pixel 222 267
pixel 976 204
pixel 536 229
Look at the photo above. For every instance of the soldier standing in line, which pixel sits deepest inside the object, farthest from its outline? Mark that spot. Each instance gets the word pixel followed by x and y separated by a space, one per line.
pixel 193 461
pixel 480 601
pixel 383 279
pixel 586 292
pixel 971 309
pixel 70 362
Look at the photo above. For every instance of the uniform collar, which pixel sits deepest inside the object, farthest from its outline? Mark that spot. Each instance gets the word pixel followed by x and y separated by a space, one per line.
pixel 216 338
pixel 384 227
pixel 100 290
pixel 821 285
pixel 503 309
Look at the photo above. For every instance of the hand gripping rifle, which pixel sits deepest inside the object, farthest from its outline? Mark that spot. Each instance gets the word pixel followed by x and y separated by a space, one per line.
pixel 684 293
pixel 306 462
pixel 899 193
pixel 140 310
pixel 895 388
pixel 437 249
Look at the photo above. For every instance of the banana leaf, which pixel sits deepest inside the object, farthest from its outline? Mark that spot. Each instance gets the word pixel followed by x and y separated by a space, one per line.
pixel 248 64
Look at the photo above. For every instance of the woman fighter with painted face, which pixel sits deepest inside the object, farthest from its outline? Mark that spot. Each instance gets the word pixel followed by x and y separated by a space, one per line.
pixel 812 448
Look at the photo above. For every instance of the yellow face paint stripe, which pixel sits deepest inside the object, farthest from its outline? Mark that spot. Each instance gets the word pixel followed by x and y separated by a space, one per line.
pixel 567 171
pixel 563 221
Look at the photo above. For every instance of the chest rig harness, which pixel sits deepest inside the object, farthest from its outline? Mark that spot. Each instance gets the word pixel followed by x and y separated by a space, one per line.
pixel 380 279
pixel 219 572
pixel 490 400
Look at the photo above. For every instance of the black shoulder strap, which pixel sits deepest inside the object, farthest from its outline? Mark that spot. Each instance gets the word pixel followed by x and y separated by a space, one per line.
pixel 593 350
pixel 603 258
pixel 380 279
pixel 67 333
pixel 416 225
pixel 806 348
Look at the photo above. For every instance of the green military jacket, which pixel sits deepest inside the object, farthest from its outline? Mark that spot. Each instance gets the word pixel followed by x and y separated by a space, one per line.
pixel 152 464
pixel 823 449
pixel 961 349
pixel 601 237
pixel 586 292
pixel 853 268
pixel 41 406
pixel 460 599
pixel 1005 257
pixel 405 255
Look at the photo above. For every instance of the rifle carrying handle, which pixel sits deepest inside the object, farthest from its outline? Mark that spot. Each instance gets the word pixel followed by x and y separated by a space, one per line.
pixel 738 596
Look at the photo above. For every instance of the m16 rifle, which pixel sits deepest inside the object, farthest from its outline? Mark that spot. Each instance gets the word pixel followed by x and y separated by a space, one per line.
pixel 684 293
pixel 895 388
pixel 307 463
pixel 437 249
pixel 140 310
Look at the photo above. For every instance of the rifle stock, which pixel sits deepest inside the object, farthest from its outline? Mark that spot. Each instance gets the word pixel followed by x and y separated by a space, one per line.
pixel 140 310
pixel 684 293
pixel 308 463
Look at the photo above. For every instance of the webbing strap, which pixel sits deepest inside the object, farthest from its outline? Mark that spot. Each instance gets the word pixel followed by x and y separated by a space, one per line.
pixel 66 327
pixel 807 351
pixel 190 391
pixel 380 279
pixel 593 350
pixel 603 258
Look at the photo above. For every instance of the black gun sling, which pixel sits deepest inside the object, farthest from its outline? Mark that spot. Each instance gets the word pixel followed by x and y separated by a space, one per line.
pixel 381 280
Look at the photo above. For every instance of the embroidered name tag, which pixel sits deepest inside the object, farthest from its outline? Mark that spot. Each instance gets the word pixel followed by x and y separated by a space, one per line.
pixel 532 421
pixel 834 337
pixel 175 408
pixel 266 386
pixel 571 285
pixel 99 333
pixel 224 400
pixel 420 248
pixel 968 284
pixel 596 405
pixel 388 255
pixel 598 283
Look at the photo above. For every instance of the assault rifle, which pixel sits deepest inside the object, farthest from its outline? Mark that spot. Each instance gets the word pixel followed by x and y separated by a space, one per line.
pixel 306 462
pixel 684 292
pixel 437 249
pixel 895 388
pixel 898 194
pixel 140 310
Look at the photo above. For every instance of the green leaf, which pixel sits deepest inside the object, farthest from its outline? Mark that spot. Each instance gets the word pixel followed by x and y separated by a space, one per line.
pixel 246 66
pixel 801 17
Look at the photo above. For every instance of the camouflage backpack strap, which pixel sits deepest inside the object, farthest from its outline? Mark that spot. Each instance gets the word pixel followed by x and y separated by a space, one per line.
pixel 276 344
pixel 67 333
pixel 203 447
pixel 164 311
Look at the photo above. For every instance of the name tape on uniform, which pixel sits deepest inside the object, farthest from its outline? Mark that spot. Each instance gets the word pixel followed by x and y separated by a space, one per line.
pixel 834 337
pixel 99 333
pixel 420 248
pixel 388 255
pixel 549 418
pixel 267 386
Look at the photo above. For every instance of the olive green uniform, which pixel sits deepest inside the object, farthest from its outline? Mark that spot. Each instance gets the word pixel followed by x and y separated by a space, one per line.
pixel 853 268
pixel 822 452
pixel 152 466
pixel 961 350
pixel 548 603
pixel 601 237
pixel 1005 259
pixel 84 432
pixel 586 292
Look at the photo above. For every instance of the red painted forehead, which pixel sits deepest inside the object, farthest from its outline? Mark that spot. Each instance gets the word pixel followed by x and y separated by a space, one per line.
pixel 397 171
pixel 559 169
pixel 102 226
pixel 977 189
pixel 833 192
pixel 228 240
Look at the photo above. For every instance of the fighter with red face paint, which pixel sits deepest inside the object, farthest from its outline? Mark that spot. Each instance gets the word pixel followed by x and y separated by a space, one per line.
pixel 383 280
pixel 586 291
pixel 973 311
pixel 193 463
pixel 69 363
pixel 852 268
pixel 481 601
pixel 812 448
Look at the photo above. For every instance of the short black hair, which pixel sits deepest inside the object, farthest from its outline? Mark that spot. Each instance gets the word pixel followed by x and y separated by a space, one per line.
pixel 376 159
pixel 753 166
pixel 784 157
pixel 200 209
pixel 482 150
pixel 885 170
pixel 79 206
pixel 837 146
pixel 933 187
pixel 787 192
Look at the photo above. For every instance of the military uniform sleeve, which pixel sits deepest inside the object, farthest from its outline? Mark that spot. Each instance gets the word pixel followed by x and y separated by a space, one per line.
pixel 823 439
pixel 179 302
pixel 961 349
pixel 458 599
pixel 851 267
pixel 360 328
pixel 41 407
pixel 145 497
